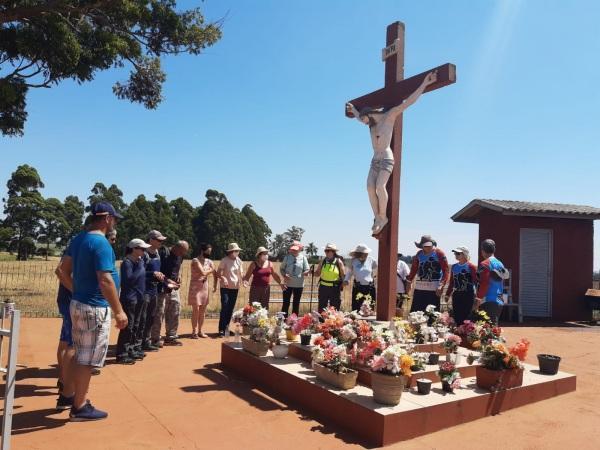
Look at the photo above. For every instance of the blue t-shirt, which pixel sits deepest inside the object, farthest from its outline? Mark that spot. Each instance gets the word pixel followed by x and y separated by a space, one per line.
pixel 91 252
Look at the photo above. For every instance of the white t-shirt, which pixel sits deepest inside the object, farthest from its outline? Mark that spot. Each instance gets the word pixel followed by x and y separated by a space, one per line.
pixel 402 272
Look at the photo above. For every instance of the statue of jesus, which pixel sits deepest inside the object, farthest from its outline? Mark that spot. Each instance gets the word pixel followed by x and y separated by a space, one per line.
pixel 381 125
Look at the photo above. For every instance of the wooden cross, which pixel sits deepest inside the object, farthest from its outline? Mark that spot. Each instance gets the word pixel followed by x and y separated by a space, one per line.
pixel 396 90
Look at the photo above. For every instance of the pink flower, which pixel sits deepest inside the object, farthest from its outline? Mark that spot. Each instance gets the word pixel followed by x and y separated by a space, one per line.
pixel 378 363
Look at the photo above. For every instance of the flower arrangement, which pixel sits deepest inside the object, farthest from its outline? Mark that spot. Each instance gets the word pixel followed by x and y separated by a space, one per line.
pixel 451 342
pixel 366 309
pixel 497 356
pixel 432 315
pixel 332 322
pixel 402 329
pixel 277 324
pixel 305 324
pixel 291 321
pixel 250 314
pixel 393 360
pixel 331 354
pixel 261 331
pixel 449 375
pixel 480 333
pixel 420 360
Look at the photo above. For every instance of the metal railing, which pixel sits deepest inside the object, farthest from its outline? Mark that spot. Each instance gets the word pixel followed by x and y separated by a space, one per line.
pixel 10 370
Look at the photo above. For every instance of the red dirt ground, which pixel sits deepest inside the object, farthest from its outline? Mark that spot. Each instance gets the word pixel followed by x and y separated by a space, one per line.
pixel 180 398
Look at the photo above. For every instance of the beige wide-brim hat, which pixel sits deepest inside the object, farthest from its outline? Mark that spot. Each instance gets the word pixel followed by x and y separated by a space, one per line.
pixel 360 248
pixel 260 250
pixel 332 247
pixel 233 247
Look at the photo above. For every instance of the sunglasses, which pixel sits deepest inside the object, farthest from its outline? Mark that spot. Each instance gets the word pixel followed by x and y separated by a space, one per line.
pixel 458 253
pixel 139 248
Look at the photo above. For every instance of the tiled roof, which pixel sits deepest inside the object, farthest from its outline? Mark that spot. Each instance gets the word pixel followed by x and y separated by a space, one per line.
pixel 509 207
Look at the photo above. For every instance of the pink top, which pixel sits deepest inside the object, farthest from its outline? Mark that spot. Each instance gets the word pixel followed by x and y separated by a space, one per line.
pixel 231 270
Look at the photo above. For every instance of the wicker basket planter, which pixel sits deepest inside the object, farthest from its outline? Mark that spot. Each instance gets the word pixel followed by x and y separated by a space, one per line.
pixel 497 380
pixel 246 330
pixel 256 348
pixel 339 380
pixel 387 389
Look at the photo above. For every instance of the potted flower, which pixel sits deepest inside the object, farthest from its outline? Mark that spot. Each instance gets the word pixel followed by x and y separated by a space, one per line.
pixel 500 366
pixel 279 349
pixel 420 360
pixel 451 343
pixel 432 315
pixel 304 327
pixel 449 376
pixel 331 363
pixel 289 328
pixel 258 342
pixel 248 316
pixel 389 373
pixel 366 309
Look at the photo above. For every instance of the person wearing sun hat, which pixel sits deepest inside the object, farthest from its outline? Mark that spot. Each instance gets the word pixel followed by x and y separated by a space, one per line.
pixel 229 277
pixel 294 268
pixel 331 272
pixel 133 283
pixel 429 272
pixel 261 270
pixel 461 286
pixel 362 268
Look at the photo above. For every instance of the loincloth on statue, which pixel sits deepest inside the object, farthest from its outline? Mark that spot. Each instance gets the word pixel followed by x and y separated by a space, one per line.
pixel 377 166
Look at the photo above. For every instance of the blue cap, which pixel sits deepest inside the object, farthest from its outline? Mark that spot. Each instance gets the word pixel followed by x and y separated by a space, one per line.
pixel 105 209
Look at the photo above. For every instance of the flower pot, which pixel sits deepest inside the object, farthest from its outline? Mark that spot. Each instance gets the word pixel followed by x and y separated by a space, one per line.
pixel 434 358
pixel 415 368
pixel 423 386
pixel 290 335
pixel 387 389
pixel 447 387
pixel 497 380
pixel 340 380
pixel 454 358
pixel 256 348
pixel 280 351
pixel 246 330
pixel 548 364
pixel 305 339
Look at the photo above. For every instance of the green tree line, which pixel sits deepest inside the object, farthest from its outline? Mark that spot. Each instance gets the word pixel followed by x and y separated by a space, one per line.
pixel 37 225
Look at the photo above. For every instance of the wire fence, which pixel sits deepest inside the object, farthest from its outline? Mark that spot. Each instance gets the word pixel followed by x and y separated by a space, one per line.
pixel 33 286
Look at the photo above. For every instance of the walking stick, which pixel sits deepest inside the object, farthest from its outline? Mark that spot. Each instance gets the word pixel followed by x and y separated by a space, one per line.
pixel 312 279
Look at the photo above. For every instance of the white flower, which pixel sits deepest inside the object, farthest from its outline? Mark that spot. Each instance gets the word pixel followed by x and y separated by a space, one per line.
pixel 430 308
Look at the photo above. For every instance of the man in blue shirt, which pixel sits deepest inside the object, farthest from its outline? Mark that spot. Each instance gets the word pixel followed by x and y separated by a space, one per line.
pixel 95 285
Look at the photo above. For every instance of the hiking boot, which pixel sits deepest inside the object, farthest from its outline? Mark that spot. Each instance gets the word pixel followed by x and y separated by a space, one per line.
pixel 64 402
pixel 150 348
pixel 173 342
pixel 126 360
pixel 86 412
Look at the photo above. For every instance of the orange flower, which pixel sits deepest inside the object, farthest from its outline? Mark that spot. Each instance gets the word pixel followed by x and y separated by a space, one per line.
pixel 476 344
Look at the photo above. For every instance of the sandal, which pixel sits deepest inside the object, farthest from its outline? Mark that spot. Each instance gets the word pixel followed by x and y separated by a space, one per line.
pixel 203 335
pixel 194 336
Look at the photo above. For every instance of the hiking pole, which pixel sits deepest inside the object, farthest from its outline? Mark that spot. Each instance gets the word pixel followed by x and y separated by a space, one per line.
pixel 312 280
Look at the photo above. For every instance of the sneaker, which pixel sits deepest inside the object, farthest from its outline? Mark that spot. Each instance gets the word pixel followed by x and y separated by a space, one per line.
pixel 86 412
pixel 221 334
pixel 126 360
pixel 158 344
pixel 150 348
pixel 64 403
pixel 173 341
pixel 95 371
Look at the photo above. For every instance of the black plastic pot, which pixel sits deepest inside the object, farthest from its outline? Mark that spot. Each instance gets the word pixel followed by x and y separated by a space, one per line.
pixel 423 386
pixel 446 387
pixel 305 339
pixel 548 363
pixel 415 368
pixel 434 358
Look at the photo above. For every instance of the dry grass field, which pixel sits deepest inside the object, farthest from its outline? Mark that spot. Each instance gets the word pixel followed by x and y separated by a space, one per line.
pixel 32 285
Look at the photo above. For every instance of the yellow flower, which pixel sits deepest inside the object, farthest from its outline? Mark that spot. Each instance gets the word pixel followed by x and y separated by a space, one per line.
pixel 476 344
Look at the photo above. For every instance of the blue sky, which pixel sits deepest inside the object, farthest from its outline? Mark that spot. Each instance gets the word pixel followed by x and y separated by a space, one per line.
pixel 260 116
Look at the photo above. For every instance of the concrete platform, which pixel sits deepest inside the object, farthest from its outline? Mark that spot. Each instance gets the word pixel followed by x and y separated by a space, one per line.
pixel 415 415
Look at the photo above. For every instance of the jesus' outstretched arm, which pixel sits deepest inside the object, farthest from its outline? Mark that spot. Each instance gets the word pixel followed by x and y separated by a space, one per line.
pixel 394 112
pixel 352 110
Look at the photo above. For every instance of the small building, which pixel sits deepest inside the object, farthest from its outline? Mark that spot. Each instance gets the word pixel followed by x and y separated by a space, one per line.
pixel 548 247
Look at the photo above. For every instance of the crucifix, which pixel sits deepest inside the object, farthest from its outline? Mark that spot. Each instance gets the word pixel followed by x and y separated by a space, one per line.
pixel 382 111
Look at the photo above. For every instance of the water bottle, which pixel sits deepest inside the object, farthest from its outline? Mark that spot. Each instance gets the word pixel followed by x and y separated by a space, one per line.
pixel 226 337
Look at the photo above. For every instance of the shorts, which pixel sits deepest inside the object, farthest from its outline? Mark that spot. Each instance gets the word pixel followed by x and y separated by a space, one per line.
pixel 91 331
pixel 378 165
pixel 67 326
